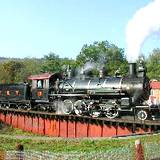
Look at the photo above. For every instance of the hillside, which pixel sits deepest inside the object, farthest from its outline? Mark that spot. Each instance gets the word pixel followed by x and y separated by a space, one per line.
pixel 2 59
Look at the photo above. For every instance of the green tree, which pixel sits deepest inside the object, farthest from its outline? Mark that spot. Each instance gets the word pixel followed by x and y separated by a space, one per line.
pixel 104 53
pixel 19 70
pixel 31 66
pixel 52 63
pixel 9 70
pixel 153 64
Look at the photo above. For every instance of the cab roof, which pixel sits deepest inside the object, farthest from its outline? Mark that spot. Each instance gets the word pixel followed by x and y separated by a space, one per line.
pixel 41 76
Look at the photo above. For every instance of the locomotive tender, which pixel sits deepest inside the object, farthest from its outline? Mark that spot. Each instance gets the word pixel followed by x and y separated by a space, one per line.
pixel 100 96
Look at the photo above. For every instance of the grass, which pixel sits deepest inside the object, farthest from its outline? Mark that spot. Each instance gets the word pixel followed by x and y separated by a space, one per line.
pixel 8 141
pixel 62 145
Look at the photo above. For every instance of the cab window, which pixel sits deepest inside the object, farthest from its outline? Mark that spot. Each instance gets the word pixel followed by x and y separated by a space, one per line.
pixel 39 83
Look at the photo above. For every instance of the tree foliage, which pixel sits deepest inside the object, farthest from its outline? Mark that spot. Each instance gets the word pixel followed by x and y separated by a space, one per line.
pixel 31 66
pixel 104 53
pixel 52 63
pixel 153 64
pixel 9 70
pixel 18 70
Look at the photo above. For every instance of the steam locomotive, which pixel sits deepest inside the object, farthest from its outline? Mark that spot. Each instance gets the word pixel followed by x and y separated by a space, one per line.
pixel 92 96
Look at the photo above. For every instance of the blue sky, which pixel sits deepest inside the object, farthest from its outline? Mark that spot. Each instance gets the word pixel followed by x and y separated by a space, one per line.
pixel 34 28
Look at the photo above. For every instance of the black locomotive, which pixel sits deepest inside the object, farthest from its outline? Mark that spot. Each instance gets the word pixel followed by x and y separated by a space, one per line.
pixel 93 96
pixel 107 95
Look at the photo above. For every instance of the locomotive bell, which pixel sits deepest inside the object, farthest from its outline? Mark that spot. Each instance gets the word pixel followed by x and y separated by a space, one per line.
pixel 101 72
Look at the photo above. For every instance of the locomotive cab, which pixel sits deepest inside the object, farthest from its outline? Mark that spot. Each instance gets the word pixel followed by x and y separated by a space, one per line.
pixel 43 85
pixel 40 86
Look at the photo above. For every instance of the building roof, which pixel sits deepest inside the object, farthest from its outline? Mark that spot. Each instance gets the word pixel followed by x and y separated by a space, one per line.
pixel 155 85
pixel 40 76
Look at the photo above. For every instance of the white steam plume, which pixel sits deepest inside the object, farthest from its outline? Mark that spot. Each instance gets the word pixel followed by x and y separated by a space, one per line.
pixel 145 22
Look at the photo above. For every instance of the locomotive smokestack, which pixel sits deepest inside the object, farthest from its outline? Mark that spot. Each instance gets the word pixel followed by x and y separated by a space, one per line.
pixel 132 69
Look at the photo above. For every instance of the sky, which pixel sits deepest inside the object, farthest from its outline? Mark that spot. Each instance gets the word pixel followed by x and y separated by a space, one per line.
pixel 34 28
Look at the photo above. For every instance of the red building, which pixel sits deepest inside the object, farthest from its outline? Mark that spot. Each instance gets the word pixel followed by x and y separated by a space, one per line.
pixel 155 91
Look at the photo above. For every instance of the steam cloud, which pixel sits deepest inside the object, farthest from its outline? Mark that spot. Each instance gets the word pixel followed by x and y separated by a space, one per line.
pixel 145 22
pixel 88 66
